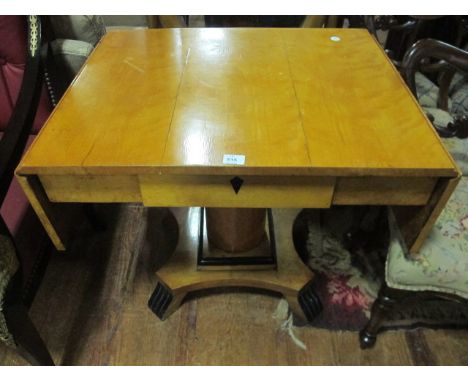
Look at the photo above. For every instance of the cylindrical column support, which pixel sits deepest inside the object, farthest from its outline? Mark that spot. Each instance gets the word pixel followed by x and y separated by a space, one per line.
pixel 235 229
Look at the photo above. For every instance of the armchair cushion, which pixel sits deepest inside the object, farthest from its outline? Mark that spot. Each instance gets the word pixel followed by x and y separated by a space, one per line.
pixel 75 27
pixel 442 263
pixel 71 54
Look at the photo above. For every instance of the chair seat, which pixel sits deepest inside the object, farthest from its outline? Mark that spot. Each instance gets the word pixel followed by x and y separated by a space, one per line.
pixel 442 263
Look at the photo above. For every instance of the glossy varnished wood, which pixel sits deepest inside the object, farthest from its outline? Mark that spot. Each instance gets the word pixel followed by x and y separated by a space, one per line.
pixel 260 191
pixel 356 110
pixel 321 116
pixel 293 100
pixel 256 191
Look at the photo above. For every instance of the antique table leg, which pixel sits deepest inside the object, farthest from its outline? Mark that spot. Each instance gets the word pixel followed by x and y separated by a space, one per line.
pixel 179 276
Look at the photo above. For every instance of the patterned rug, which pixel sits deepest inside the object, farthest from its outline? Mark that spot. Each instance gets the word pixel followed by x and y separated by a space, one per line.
pixel 348 284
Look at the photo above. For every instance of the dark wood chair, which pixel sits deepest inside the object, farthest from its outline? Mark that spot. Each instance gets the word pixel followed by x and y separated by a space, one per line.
pixel 438 271
pixel 449 60
pixel 19 273
pixel 32 49
pixel 231 21
pixel 401 32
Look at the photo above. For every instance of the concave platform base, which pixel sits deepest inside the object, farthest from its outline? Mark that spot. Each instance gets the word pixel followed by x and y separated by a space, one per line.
pixel 179 275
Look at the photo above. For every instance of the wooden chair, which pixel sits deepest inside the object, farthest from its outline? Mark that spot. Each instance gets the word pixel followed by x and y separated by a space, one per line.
pixel 24 254
pixel 450 115
pixel 401 32
pixel 55 56
pixel 440 269
pixel 16 328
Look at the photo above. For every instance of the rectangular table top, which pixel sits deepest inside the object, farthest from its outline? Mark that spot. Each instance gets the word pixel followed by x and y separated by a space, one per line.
pixel 291 101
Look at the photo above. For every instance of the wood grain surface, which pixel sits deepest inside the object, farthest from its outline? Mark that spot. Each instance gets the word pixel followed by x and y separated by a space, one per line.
pixel 152 114
pixel 293 101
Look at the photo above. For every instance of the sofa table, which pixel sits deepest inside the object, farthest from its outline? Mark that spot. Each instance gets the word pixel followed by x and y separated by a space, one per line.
pixel 239 118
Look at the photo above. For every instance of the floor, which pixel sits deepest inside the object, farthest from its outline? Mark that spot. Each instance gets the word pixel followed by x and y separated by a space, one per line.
pixel 91 309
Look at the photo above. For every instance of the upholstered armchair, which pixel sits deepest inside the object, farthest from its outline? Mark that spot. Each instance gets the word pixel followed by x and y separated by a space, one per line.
pixel 24 106
pixel 440 269
pixel 28 60
pixel 71 39
pixel 167 21
pixel 401 32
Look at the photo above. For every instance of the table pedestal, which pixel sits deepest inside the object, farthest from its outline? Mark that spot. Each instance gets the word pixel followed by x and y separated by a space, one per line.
pixel 236 239
pixel 180 274
pixel 235 230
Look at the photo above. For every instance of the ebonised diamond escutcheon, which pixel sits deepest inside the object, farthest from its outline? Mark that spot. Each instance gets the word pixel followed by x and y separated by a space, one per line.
pixel 236 183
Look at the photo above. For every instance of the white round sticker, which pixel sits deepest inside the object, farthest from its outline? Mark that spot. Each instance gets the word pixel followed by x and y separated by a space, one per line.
pixel 335 38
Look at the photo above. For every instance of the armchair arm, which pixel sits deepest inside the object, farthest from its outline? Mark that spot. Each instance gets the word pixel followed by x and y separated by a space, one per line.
pixel 19 126
pixel 451 59
pixel 386 23
pixel 453 56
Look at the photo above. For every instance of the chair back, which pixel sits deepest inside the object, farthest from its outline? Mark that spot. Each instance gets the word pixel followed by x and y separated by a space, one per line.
pixel 21 83
pixel 13 56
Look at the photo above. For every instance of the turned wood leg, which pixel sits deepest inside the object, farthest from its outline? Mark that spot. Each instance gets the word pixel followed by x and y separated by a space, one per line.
pixel 30 344
pixel 384 304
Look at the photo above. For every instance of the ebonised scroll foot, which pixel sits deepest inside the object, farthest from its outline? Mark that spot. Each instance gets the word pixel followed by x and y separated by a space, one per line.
pixel 164 301
pixel 310 303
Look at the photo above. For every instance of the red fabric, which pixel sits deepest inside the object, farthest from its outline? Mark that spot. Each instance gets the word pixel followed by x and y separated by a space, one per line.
pixel 16 211
pixel 13 41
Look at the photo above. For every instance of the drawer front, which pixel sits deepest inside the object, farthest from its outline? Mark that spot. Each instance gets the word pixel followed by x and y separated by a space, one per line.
pixel 383 191
pixel 91 188
pixel 252 191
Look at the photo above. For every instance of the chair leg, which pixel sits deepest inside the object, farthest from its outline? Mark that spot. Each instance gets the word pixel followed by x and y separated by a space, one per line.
pixel 384 303
pixel 30 344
